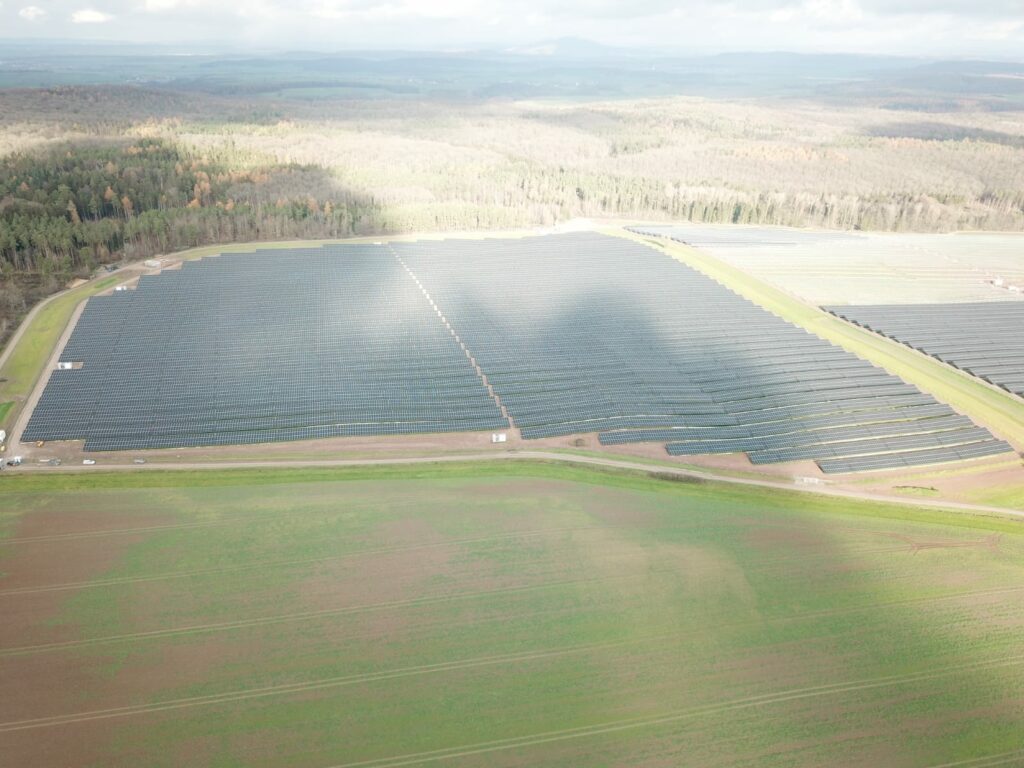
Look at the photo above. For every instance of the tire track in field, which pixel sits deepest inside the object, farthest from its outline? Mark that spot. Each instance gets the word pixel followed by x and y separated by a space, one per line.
pixel 119 531
pixel 1003 758
pixel 500 659
pixel 288 617
pixel 142 579
pixel 285 563
pixel 414 602
pixel 625 724
pixel 99 533
pixel 314 685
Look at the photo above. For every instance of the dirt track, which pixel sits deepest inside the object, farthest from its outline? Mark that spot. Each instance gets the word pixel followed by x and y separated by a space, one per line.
pixel 557 457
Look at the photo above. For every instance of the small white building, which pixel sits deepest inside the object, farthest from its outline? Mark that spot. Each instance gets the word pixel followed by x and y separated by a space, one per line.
pixel 499 437
pixel 805 480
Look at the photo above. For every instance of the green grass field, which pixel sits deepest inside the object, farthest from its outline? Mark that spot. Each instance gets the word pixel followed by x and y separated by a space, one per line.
pixel 1011 496
pixel 498 615
pixel 1000 411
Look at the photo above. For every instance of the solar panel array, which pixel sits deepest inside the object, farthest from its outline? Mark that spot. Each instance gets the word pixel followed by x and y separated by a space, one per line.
pixel 584 333
pixel 265 346
pixel 985 339
pixel 573 333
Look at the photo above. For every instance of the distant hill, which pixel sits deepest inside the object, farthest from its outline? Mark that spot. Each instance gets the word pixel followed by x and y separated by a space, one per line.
pixel 570 48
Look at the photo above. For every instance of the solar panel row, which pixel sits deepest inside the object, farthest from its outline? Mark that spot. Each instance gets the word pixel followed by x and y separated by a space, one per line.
pixel 828 425
pixel 985 339
pixel 915 458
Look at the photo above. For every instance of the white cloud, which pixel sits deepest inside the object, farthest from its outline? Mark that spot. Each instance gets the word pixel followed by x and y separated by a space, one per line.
pixel 32 13
pixel 90 16
pixel 819 12
pixel 360 10
pixel 1000 30
pixel 834 11
pixel 160 6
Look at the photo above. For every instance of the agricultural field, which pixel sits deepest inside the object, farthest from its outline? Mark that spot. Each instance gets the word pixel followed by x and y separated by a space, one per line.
pixel 499 615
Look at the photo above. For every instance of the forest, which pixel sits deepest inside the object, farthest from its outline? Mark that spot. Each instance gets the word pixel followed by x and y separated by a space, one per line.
pixel 74 207
pixel 96 174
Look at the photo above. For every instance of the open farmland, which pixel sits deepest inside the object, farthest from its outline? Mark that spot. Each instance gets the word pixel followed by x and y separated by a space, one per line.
pixel 486 615
pixel 554 336
pixel 866 268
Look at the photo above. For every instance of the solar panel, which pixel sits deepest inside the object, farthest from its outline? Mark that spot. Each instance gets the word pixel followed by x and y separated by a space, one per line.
pixel 985 339
pixel 575 333
pixel 250 348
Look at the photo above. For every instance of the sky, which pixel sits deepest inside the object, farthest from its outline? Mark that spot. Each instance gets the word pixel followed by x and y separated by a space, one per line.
pixel 932 28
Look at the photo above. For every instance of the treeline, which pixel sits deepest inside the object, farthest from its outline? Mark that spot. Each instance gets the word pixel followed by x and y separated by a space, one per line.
pixel 73 208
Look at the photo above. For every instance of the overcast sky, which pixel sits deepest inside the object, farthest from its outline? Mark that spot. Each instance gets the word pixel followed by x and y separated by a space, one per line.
pixel 956 28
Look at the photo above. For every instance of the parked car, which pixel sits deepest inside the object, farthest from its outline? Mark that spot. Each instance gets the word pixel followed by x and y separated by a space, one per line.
pixel 88 462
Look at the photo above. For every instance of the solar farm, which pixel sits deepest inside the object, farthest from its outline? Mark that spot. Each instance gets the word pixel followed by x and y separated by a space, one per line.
pixel 866 268
pixel 258 347
pixel 553 336
pixel 984 339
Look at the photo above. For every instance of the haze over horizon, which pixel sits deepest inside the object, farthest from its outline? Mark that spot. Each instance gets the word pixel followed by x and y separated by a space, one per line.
pixel 942 29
